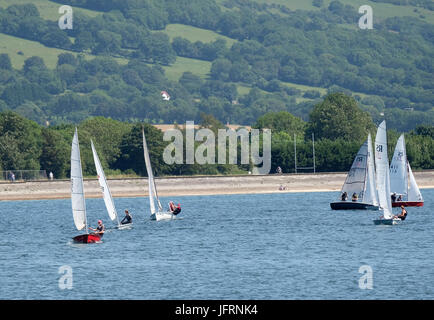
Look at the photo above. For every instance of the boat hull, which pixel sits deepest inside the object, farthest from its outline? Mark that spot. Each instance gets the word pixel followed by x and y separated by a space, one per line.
pixel 388 222
pixel 88 238
pixel 158 216
pixel 124 226
pixel 407 204
pixel 349 205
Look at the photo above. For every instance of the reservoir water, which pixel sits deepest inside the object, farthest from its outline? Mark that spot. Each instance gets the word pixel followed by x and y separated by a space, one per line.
pixel 269 246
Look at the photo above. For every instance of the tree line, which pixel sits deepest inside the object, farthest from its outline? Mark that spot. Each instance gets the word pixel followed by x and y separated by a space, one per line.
pixel 338 124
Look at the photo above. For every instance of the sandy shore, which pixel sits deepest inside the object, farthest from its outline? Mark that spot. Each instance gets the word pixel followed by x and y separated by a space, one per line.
pixel 179 186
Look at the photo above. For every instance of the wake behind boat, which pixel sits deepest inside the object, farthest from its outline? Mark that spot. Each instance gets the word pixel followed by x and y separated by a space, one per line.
pixel 359 185
pixel 157 212
pixel 77 196
pixel 404 188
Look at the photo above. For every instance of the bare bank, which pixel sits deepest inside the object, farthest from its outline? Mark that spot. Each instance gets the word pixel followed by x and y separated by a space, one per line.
pixel 202 185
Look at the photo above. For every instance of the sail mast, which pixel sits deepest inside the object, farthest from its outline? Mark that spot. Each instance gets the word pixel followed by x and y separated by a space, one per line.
pixel 77 187
pixel 383 178
pixel 370 189
pixel 108 199
pixel 355 180
pixel 151 182
pixel 399 169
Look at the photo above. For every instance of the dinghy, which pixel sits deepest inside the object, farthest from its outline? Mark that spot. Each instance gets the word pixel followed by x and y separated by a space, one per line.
pixel 383 178
pixel 77 196
pixel 157 212
pixel 108 199
pixel 402 183
pixel 360 181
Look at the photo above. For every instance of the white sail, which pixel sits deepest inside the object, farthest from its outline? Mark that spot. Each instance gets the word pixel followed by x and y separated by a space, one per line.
pixel 356 178
pixel 108 199
pixel 382 163
pixel 153 196
pixel 398 170
pixel 370 187
pixel 77 189
pixel 413 190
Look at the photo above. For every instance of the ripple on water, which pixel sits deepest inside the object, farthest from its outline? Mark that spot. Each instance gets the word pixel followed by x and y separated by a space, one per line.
pixel 271 246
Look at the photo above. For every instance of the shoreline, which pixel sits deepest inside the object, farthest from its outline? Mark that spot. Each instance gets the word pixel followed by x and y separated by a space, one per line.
pixel 190 185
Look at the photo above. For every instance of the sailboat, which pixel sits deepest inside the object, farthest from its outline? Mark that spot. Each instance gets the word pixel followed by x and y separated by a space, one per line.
pixel 77 196
pixel 360 181
pixel 157 212
pixel 402 182
pixel 108 199
pixel 383 178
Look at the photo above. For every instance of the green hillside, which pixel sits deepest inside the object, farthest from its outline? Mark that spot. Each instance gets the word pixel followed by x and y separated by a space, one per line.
pixel 277 55
pixel 48 10
pixel 381 10
pixel 195 34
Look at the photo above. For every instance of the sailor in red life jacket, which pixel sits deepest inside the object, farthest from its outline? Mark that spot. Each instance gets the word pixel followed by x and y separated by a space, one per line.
pixel 173 209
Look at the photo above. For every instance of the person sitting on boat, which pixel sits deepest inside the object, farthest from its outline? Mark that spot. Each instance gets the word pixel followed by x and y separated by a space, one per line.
pixel 174 210
pixel 393 197
pixel 100 228
pixel 127 219
pixel 402 215
pixel 355 197
pixel 344 196
pixel 399 198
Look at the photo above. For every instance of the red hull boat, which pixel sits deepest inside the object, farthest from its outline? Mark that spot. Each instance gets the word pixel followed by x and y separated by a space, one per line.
pixel 407 204
pixel 88 238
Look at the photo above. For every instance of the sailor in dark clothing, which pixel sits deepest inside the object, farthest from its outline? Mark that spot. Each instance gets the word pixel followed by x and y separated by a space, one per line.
pixel 100 228
pixel 173 209
pixel 344 196
pixel 393 197
pixel 403 214
pixel 127 219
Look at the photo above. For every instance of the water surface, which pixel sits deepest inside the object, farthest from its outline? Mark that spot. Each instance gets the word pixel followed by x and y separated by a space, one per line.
pixel 271 246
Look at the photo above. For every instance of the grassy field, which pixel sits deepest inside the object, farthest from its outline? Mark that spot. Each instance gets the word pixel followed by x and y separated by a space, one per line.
pixel 198 67
pixel 386 10
pixel 380 10
pixel 195 34
pixel 47 9
pixel 12 45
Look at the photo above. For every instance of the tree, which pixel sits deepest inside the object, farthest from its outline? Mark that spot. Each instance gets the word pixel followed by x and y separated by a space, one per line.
pixel 84 41
pixel 156 47
pixel 20 142
pixel 35 63
pixel 281 121
pixel 191 82
pixel 66 58
pixel 55 153
pixel 132 150
pixel 56 38
pixel 107 135
pixel 338 116
pixel 5 62
pixel 220 69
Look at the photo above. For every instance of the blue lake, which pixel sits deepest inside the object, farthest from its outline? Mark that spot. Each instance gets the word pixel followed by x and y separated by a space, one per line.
pixel 270 246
